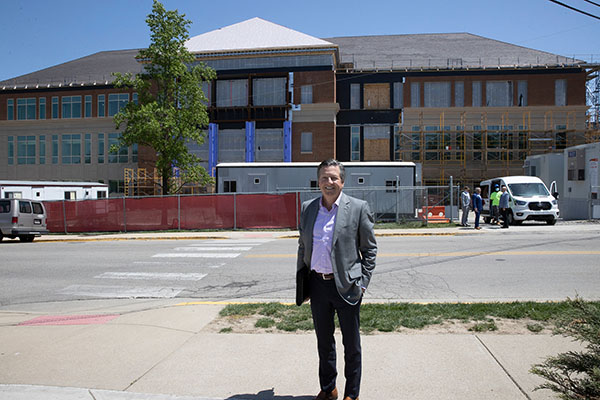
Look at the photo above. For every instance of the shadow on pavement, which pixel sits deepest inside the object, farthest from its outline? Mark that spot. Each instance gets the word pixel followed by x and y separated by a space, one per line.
pixel 267 395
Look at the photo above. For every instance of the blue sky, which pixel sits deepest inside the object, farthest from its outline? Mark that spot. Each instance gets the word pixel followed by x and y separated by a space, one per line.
pixel 36 34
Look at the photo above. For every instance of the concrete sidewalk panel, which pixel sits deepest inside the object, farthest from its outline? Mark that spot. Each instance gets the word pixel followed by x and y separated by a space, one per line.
pixel 518 353
pixel 394 366
pixel 185 318
pixel 27 392
pixel 96 356
pixel 228 365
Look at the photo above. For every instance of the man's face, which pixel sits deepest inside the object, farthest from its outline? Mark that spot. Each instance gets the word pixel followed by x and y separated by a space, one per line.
pixel 330 183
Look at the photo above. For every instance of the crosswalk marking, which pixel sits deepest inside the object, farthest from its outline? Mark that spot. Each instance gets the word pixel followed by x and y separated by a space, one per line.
pixel 197 255
pixel 170 276
pixel 246 248
pixel 122 292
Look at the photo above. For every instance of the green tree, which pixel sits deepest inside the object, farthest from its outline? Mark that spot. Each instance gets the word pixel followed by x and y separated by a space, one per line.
pixel 171 112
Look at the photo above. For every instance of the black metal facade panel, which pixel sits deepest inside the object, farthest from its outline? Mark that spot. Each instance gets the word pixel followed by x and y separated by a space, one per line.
pixel 342 147
pixel 366 117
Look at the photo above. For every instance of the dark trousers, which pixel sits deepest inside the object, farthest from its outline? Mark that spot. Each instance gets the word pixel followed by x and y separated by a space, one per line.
pixel 324 303
pixel 477 215
pixel 504 212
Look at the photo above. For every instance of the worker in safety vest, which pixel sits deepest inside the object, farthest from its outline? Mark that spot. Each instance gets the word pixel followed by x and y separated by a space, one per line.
pixel 495 209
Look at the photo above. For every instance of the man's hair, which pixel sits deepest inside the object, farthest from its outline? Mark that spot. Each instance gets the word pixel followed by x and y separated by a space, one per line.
pixel 330 162
pixel 478 189
pixel 466 188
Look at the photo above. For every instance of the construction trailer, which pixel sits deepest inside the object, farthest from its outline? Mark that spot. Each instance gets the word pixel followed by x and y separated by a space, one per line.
pixel 575 171
pixel 53 190
pixel 383 184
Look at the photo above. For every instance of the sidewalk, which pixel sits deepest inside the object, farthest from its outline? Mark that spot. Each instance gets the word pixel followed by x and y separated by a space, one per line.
pixel 160 349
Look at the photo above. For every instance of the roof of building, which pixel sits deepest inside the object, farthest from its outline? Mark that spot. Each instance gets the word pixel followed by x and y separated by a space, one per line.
pixel 253 35
pixel 397 52
pixel 440 50
pixel 96 68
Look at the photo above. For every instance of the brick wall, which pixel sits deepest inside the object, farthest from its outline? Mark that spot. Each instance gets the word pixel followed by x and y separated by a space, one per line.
pixel 323 83
pixel 323 141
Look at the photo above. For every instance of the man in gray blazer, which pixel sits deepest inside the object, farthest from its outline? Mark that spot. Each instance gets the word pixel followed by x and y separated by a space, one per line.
pixel 337 244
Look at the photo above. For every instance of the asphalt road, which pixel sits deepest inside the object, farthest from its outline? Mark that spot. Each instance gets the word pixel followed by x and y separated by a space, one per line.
pixel 521 263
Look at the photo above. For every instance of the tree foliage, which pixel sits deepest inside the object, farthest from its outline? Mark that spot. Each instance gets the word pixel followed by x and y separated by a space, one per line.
pixel 575 375
pixel 171 112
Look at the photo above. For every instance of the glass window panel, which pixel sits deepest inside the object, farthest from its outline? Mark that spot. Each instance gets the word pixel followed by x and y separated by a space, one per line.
pixel 88 106
pixel 415 94
pixel 437 94
pixel 398 95
pixel 476 94
pixel 232 93
pixel 42 108
pixel 21 109
pixel 560 92
pixel 235 150
pixel 25 149
pixel 267 91
pixel 522 94
pixel 11 150
pixel 10 109
pixel 306 95
pixel 268 145
pixel 101 148
pixel 355 143
pixel 459 94
pixel 43 149
pixel 306 142
pixel 355 96
pixel 499 94
pixel 54 107
pixel 88 149
pixel 54 149
pixel 101 105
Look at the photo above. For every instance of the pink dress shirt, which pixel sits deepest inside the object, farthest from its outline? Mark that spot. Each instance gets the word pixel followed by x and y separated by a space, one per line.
pixel 322 238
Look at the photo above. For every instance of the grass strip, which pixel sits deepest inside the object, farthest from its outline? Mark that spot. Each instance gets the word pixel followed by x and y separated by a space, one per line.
pixel 391 317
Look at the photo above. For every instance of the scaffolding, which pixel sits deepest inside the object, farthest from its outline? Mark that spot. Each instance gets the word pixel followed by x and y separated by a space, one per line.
pixel 474 145
pixel 142 182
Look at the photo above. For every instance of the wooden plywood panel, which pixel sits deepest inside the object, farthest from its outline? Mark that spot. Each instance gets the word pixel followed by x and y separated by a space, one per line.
pixel 377 96
pixel 377 150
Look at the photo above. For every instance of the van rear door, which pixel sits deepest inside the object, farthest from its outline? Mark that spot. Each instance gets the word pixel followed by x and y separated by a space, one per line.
pixel 25 214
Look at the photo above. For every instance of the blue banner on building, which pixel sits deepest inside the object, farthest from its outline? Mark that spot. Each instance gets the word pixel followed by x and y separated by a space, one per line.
pixel 250 131
pixel 213 148
pixel 287 141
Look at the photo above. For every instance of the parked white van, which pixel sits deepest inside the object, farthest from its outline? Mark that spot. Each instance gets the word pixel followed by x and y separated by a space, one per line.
pixel 22 218
pixel 530 199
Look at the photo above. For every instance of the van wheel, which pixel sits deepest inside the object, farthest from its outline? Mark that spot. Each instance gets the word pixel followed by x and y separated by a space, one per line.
pixel 487 220
pixel 551 221
pixel 511 218
pixel 1 236
pixel 26 238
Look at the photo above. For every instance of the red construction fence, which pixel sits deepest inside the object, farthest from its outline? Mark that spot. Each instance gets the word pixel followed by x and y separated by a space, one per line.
pixel 231 211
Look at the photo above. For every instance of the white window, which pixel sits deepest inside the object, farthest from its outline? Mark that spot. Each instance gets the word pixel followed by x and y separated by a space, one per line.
pixel 415 94
pixel 398 95
pixel 306 95
pixel 459 94
pixel 437 94
pixel 355 143
pixel 498 94
pixel 232 93
pixel 476 94
pixel 355 96
pixel 560 92
pixel 306 140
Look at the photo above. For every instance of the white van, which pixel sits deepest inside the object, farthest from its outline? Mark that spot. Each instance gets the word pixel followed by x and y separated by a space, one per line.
pixel 530 199
pixel 22 218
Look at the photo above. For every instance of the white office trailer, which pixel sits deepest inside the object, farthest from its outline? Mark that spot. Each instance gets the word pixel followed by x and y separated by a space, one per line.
pixel 575 171
pixel 53 190
pixel 375 182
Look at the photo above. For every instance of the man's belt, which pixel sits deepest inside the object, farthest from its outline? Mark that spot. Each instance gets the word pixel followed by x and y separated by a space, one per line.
pixel 325 277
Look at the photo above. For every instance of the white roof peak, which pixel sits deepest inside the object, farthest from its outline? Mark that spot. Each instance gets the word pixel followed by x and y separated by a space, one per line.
pixel 251 35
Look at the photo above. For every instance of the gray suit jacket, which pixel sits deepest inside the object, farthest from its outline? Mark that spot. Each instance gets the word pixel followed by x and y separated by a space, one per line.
pixel 353 248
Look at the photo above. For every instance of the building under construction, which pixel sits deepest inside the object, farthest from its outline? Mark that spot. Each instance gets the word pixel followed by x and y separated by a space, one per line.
pixel 459 104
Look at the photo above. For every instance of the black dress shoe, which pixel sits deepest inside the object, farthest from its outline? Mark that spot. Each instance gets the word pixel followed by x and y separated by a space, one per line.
pixel 323 395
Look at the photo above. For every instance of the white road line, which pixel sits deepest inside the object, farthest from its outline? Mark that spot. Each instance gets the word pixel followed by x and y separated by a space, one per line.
pixel 197 255
pixel 212 248
pixel 121 292
pixel 179 264
pixel 170 276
